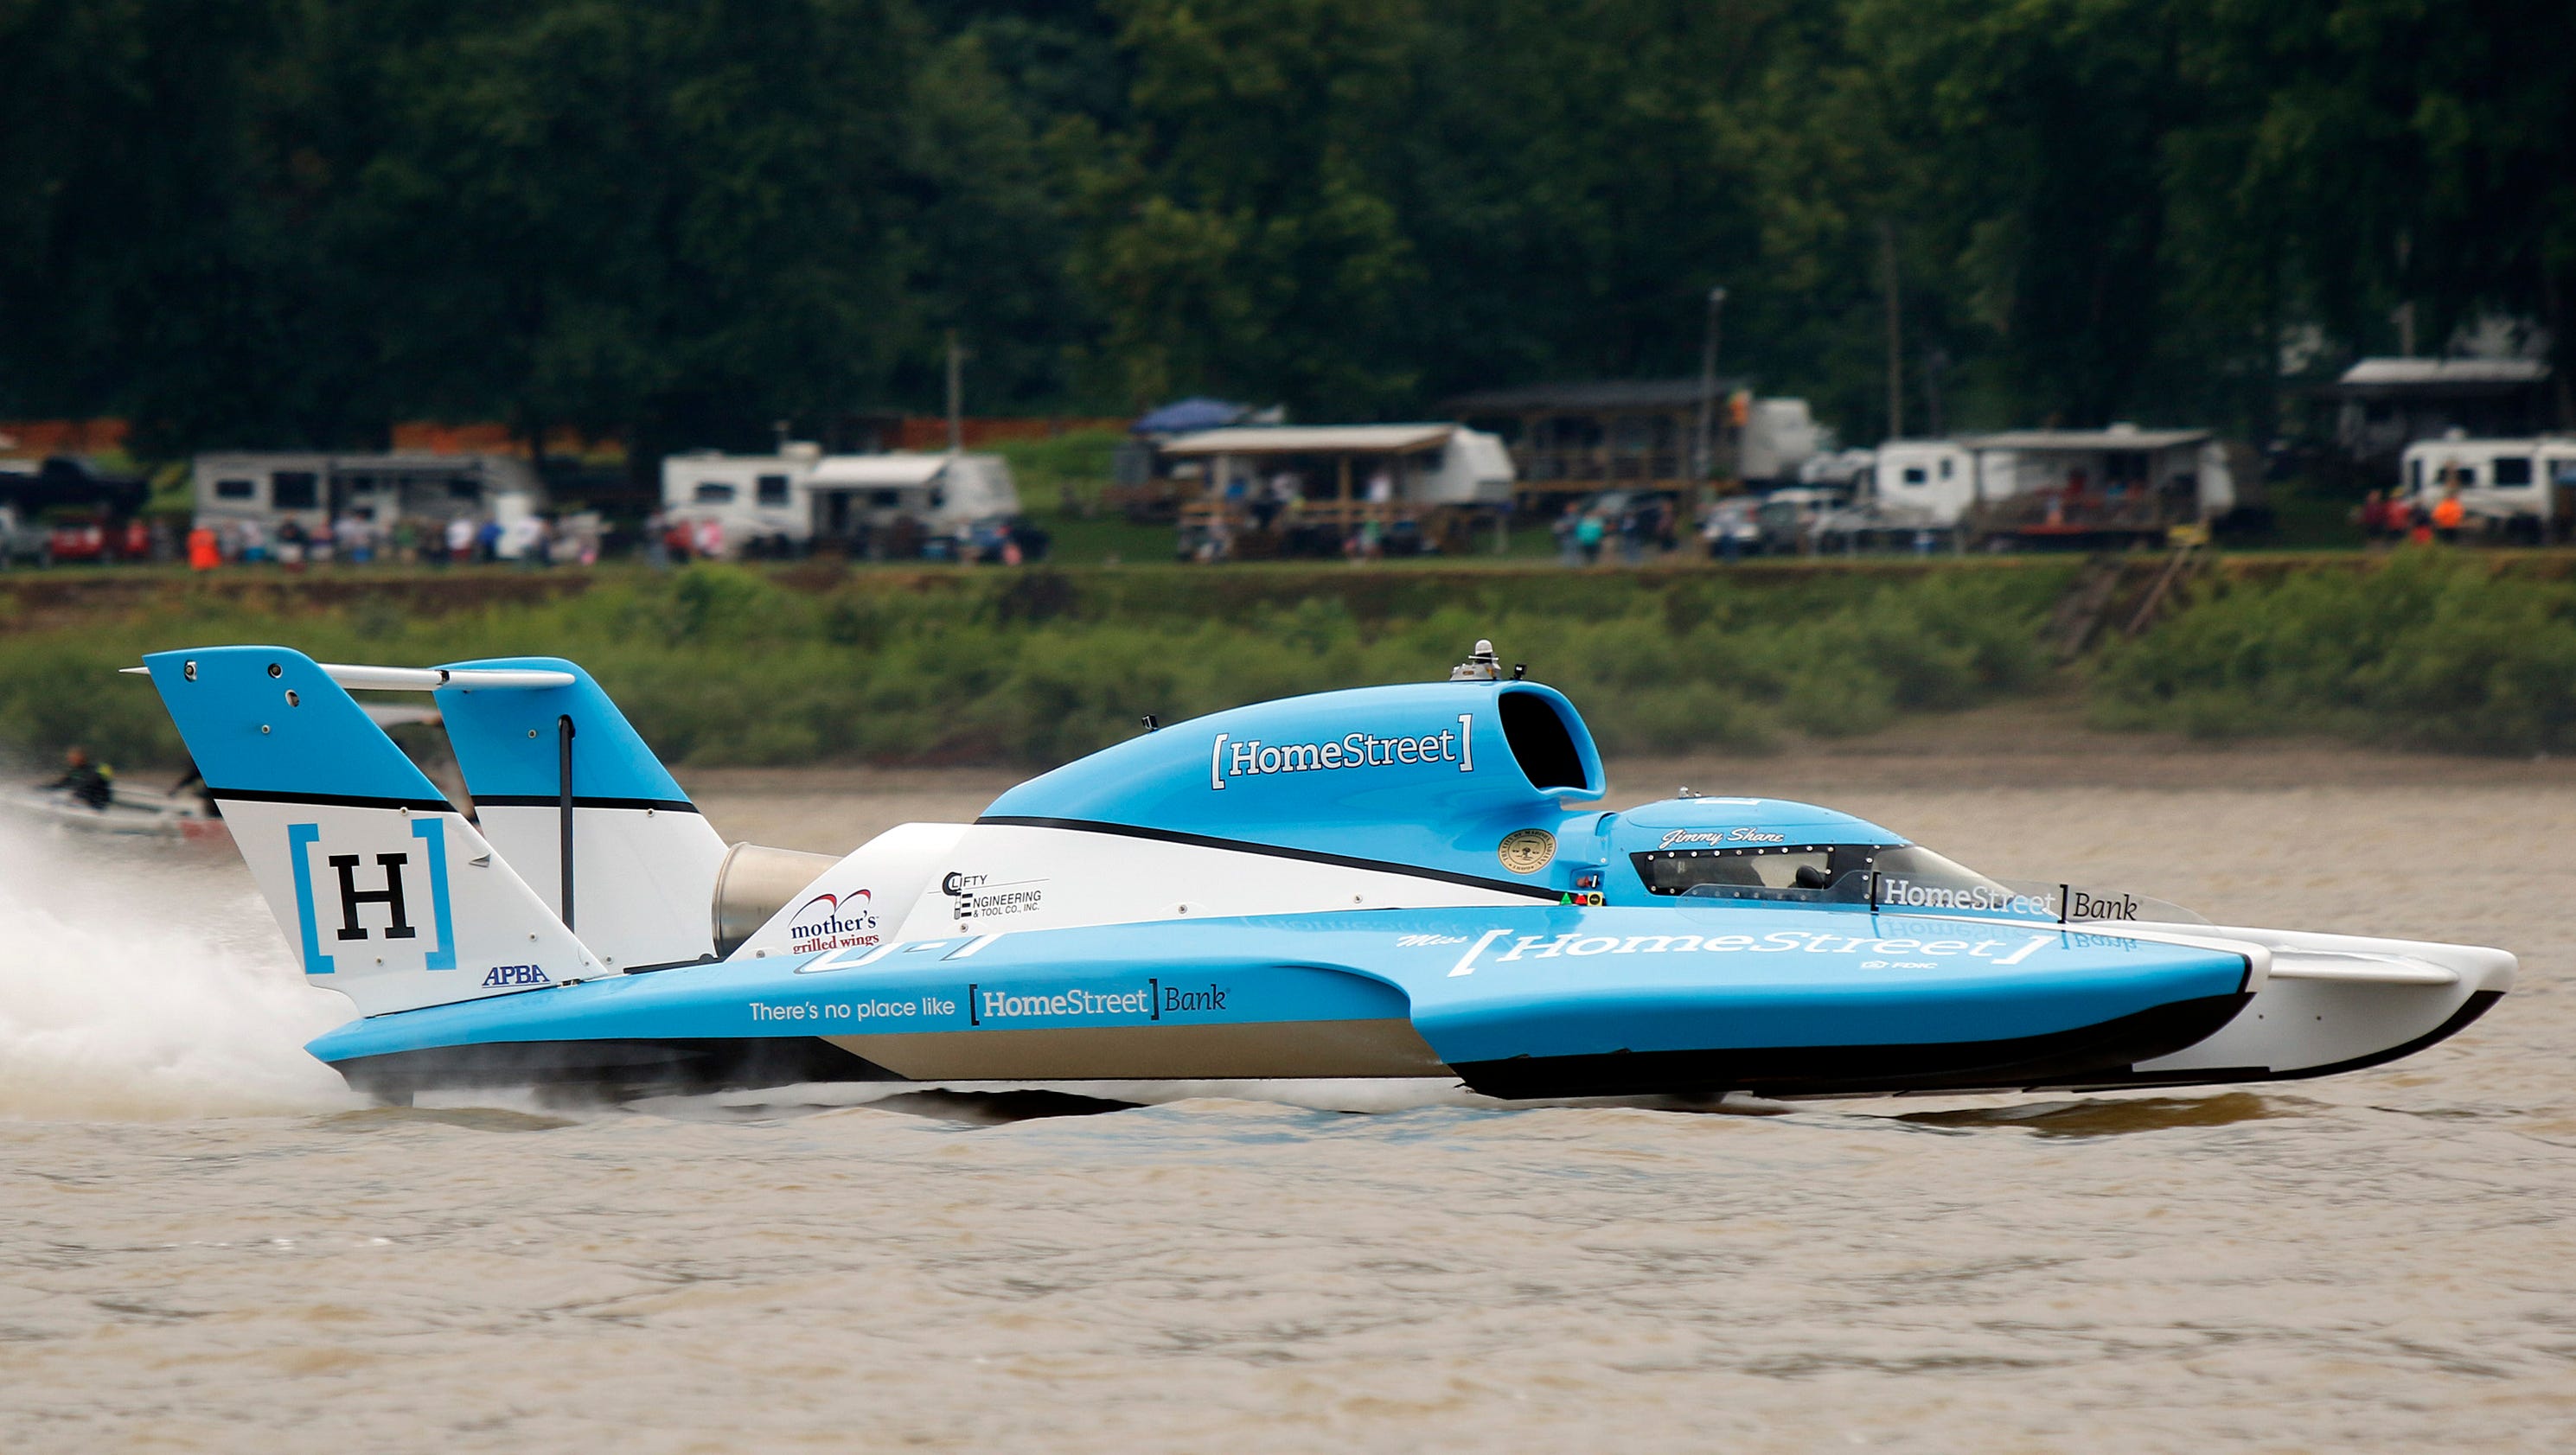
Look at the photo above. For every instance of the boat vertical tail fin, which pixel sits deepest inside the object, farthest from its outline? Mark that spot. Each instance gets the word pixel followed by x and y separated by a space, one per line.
pixel 384 891
pixel 615 848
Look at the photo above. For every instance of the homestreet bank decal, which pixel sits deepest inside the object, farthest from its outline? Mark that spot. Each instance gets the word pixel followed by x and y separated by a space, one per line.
pixel 1874 951
pixel 1253 758
pixel 1149 1002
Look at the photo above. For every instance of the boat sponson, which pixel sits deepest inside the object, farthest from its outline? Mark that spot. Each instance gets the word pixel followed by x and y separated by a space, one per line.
pixel 2101 1049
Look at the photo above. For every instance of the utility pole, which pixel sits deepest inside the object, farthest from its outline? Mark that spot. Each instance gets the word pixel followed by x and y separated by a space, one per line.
pixel 956 395
pixel 1704 468
pixel 1895 333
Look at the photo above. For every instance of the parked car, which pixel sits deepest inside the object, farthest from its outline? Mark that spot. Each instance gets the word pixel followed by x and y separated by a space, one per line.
pixel 22 541
pixel 99 540
pixel 1789 517
pixel 1732 520
pixel 986 538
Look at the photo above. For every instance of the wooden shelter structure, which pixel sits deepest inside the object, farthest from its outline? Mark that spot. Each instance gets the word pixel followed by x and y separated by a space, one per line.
pixel 1305 489
pixel 1573 439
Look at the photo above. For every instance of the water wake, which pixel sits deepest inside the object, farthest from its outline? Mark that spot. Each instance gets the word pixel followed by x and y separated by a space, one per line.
pixel 145 981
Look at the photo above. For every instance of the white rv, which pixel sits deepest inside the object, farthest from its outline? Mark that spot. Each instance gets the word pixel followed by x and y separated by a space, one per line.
pixel 789 502
pixel 1923 482
pixel 317 489
pixel 2101 482
pixel 1779 437
pixel 2519 488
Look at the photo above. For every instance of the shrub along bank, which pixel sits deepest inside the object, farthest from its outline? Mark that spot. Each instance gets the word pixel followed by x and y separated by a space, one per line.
pixel 2433 649
pixel 719 665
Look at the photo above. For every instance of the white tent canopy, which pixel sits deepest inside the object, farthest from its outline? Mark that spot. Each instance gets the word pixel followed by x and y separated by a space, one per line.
pixel 1314 439
pixel 865 471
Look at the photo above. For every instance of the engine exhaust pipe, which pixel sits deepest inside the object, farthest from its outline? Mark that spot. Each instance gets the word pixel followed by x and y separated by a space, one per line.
pixel 753 884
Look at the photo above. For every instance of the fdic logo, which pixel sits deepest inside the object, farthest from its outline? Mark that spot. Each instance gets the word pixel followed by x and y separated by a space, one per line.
pixel 382 901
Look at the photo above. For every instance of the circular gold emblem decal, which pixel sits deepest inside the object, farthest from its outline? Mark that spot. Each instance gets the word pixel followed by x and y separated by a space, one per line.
pixel 1526 851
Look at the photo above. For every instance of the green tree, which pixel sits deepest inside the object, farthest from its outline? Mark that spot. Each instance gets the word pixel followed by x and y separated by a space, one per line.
pixel 1243 236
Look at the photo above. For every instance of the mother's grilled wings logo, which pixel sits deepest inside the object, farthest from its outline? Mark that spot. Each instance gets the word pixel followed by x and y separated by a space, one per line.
pixel 843 921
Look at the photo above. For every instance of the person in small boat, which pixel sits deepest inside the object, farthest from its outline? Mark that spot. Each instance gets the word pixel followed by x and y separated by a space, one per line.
pixel 84 780
pixel 205 796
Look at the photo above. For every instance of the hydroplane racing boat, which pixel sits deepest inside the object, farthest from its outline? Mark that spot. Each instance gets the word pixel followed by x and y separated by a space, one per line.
pixel 1395 881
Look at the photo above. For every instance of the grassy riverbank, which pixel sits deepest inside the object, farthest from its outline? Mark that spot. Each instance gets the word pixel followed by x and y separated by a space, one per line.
pixel 2426 649
pixel 728 666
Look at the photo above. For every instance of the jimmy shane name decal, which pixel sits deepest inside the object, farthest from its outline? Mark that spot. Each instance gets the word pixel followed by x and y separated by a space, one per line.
pixel 1252 758
pixel 2005 950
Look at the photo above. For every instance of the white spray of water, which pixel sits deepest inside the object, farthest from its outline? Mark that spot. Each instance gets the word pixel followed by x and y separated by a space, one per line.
pixel 146 980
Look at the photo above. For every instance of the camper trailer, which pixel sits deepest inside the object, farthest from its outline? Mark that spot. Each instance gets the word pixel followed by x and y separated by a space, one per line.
pixel 1779 436
pixel 2516 489
pixel 2041 486
pixel 1923 482
pixel 314 490
pixel 868 505
pixel 1313 489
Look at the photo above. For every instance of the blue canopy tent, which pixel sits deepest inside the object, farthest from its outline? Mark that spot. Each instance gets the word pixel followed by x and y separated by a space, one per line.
pixel 1190 415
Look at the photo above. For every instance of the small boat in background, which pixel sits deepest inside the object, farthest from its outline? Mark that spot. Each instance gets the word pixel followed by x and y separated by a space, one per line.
pixel 124 815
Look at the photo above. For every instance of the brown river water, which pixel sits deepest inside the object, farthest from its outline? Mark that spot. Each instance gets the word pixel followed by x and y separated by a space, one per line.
pixel 205 1244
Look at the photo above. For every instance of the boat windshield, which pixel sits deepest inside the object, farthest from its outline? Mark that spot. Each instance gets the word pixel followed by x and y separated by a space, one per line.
pixel 1799 866
pixel 1887 877
pixel 1914 877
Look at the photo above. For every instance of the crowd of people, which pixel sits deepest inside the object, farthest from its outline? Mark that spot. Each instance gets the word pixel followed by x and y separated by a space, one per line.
pixel 1640 525
pixel 2387 518
pixel 355 539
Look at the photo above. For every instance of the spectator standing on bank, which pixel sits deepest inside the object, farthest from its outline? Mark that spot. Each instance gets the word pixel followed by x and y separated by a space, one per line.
pixel 1588 534
pixel 205 549
pixel 2448 513
pixel 459 539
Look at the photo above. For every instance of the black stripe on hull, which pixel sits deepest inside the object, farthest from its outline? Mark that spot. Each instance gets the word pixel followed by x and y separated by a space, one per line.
pixel 1275 851
pixel 2478 1004
pixel 327 800
pixel 549 800
pixel 2092 1052
pixel 614 1066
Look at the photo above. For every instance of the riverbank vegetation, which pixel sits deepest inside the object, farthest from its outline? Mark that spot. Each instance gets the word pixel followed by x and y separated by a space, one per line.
pixel 719 665
pixel 2431 650
pixel 723 665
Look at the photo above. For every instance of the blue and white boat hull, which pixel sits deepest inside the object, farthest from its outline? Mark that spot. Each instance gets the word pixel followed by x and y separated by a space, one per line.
pixel 1390 882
